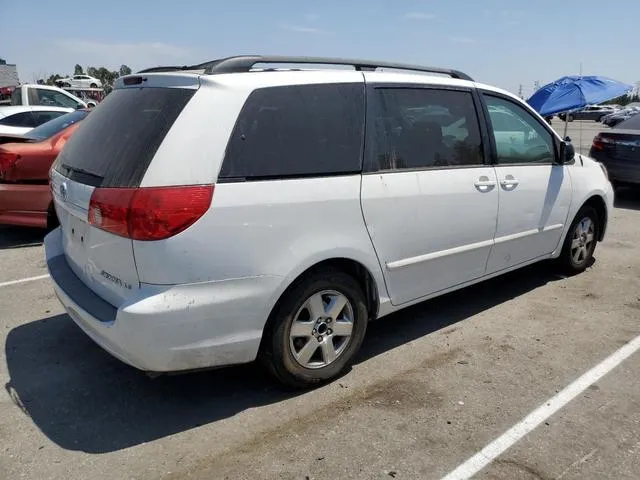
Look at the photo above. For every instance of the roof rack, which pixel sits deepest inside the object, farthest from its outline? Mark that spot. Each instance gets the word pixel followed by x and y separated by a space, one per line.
pixel 245 63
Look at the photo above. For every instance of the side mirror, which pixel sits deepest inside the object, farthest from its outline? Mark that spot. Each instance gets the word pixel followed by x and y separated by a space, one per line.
pixel 80 106
pixel 567 152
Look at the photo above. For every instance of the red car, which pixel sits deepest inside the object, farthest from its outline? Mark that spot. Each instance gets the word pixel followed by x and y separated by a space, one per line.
pixel 25 198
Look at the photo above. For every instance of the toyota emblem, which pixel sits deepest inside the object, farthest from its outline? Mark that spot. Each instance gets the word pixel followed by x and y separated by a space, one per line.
pixel 63 191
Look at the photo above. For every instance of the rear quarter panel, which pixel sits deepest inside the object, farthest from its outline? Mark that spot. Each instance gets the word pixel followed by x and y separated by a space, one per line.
pixel 270 228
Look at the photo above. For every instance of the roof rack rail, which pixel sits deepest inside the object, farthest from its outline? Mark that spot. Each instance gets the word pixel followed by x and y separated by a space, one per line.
pixel 171 69
pixel 245 63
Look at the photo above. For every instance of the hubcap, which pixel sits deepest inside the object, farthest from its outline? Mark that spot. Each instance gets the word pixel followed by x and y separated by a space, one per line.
pixel 321 329
pixel 582 240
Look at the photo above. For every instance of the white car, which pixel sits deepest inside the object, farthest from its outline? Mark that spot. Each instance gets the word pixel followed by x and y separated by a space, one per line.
pixel 19 119
pixel 217 214
pixel 83 81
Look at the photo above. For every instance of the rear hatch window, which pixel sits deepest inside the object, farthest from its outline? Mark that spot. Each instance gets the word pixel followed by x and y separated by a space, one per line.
pixel 115 144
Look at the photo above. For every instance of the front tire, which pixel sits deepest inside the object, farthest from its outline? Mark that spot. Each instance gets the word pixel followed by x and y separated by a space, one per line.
pixel 580 243
pixel 316 329
pixel 93 85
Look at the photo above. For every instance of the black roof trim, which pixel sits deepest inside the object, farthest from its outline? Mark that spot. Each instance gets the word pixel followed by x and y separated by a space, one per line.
pixel 245 63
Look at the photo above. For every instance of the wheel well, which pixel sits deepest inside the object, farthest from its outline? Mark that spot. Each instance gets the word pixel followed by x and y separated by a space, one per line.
pixel 358 271
pixel 601 209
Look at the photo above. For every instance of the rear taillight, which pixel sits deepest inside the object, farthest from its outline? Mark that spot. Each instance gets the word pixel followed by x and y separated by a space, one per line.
pixel 7 161
pixel 148 213
pixel 600 141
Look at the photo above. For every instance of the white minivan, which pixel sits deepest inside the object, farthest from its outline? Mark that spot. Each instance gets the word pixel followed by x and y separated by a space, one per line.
pixel 215 214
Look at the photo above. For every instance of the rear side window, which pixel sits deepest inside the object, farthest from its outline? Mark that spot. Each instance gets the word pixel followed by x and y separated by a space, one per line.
pixel 294 131
pixel 16 97
pixel 24 119
pixel 115 144
pixel 417 128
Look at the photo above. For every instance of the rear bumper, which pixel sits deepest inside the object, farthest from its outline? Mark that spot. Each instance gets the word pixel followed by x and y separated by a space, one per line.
pixel 168 328
pixel 24 205
pixel 623 172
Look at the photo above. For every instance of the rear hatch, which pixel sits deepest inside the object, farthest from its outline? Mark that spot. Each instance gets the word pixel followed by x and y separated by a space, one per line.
pixel 99 171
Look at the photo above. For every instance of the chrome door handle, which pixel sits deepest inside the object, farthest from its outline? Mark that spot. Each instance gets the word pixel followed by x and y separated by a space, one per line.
pixel 484 184
pixel 509 182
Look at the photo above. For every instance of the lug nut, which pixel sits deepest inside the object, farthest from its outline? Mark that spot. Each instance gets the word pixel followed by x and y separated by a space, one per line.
pixel 319 338
pixel 314 331
pixel 329 332
pixel 329 320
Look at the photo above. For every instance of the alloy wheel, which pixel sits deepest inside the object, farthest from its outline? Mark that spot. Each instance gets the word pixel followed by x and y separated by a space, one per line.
pixel 582 240
pixel 321 329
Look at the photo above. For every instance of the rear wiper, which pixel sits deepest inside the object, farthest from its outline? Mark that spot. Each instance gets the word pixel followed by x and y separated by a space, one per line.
pixel 81 171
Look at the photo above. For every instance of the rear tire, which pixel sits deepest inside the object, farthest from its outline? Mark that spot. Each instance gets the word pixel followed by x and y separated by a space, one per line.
pixel 580 242
pixel 327 309
pixel 569 118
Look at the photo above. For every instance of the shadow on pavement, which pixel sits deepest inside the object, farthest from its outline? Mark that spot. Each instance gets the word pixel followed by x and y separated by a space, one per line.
pixel 18 237
pixel 628 198
pixel 83 399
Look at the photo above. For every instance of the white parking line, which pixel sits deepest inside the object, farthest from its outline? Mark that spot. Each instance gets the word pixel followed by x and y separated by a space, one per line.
pixel 23 280
pixel 489 453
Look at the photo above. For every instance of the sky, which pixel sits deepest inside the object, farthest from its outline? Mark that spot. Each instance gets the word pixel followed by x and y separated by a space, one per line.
pixel 503 43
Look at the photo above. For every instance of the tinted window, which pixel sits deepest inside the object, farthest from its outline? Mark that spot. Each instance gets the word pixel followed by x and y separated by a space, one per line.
pixel 632 123
pixel 52 127
pixel 23 119
pixel 423 128
pixel 297 131
pixel 116 143
pixel 519 136
pixel 51 98
pixel 44 117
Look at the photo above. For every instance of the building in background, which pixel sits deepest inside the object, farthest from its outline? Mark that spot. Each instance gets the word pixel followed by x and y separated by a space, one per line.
pixel 8 74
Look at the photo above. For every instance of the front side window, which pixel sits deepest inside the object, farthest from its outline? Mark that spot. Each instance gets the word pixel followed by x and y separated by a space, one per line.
pixel 52 98
pixel 297 130
pixel 519 137
pixel 414 128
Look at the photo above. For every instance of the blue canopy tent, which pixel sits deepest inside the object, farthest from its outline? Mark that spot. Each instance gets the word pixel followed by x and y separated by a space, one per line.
pixel 574 92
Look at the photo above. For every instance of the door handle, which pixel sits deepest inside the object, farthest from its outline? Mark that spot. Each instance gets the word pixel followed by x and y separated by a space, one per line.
pixel 509 182
pixel 484 184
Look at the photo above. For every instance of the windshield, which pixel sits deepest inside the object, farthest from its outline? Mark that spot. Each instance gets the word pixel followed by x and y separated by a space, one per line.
pixel 56 125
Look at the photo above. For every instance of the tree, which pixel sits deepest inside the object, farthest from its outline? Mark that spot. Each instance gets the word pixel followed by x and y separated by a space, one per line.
pixel 77 70
pixel 53 78
pixel 124 70
pixel 106 76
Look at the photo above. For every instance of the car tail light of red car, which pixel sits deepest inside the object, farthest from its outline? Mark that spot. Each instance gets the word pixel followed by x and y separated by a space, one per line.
pixel 7 161
pixel 148 213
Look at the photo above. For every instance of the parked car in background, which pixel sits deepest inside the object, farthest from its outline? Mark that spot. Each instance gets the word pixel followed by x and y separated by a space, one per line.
pixel 223 215
pixel 25 196
pixel 46 95
pixel 17 120
pixel 83 81
pixel 591 112
pixel 619 150
pixel 620 116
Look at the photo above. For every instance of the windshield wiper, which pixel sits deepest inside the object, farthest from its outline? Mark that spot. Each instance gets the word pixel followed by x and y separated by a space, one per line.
pixel 81 171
